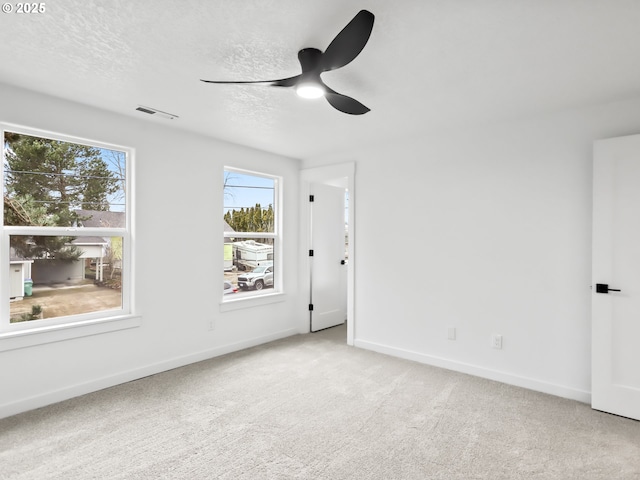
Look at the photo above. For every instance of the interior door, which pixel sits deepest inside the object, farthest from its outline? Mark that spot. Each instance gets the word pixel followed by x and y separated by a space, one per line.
pixel 328 264
pixel 616 277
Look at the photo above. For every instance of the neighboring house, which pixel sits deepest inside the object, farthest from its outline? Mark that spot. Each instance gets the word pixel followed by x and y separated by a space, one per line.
pixel 97 218
pixel 102 250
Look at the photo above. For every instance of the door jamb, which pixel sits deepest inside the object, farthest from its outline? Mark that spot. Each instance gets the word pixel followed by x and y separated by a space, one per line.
pixel 327 174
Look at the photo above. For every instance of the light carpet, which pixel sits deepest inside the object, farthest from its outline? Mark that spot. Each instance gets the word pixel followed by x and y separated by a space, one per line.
pixel 310 407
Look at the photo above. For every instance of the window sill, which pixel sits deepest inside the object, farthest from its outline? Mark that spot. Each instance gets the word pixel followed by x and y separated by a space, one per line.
pixel 249 302
pixel 68 331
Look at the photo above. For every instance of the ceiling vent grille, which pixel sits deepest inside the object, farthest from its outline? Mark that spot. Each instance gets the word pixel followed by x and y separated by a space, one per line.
pixel 153 111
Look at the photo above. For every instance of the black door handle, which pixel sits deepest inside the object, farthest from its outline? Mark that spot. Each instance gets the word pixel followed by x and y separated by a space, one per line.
pixel 604 288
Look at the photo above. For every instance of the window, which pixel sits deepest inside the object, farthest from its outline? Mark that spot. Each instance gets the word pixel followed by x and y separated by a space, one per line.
pixel 66 243
pixel 251 234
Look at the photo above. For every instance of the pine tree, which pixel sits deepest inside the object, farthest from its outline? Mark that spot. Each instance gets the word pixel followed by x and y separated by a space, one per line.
pixel 60 176
pixel 45 182
pixel 252 219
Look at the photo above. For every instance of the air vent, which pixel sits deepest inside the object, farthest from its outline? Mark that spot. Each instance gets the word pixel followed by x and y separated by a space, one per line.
pixel 153 111
pixel 145 110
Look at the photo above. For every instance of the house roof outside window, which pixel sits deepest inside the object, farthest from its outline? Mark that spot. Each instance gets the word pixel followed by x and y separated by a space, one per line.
pixel 96 218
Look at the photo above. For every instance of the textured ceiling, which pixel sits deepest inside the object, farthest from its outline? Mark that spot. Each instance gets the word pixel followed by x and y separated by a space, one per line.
pixel 430 64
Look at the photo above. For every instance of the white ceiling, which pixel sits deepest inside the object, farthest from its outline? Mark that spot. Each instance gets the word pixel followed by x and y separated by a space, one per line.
pixel 429 64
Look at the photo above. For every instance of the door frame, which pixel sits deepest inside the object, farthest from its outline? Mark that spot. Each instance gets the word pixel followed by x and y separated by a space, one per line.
pixel 331 175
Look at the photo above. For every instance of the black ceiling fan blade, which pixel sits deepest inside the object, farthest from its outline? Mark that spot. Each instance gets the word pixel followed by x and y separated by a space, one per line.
pixel 349 42
pixel 344 48
pixel 283 82
pixel 344 104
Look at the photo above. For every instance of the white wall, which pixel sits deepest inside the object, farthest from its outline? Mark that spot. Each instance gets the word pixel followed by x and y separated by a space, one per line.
pixel 486 230
pixel 178 210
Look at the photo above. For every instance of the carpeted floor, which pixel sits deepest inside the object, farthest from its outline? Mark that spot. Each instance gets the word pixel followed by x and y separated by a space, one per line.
pixel 309 407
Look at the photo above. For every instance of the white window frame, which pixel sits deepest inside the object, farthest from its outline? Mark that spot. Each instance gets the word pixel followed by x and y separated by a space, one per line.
pixel 268 295
pixel 24 334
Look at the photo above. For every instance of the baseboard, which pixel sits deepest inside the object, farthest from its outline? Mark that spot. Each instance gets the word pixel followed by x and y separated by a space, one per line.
pixel 55 396
pixel 503 377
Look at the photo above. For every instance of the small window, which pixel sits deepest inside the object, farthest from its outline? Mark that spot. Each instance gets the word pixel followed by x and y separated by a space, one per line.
pixel 65 230
pixel 251 233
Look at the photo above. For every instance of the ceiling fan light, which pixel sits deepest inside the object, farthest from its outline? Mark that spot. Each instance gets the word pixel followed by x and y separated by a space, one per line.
pixel 310 90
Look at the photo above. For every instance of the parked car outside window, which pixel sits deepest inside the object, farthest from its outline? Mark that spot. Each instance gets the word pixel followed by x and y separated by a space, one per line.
pixel 257 279
pixel 228 288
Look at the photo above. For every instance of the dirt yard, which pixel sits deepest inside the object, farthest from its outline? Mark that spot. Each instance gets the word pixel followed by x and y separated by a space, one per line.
pixel 68 300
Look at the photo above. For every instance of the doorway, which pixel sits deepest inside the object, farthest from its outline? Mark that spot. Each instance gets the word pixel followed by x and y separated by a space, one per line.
pixel 327 275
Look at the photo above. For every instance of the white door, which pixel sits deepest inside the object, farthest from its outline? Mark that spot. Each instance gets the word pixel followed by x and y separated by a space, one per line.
pixel 616 277
pixel 328 265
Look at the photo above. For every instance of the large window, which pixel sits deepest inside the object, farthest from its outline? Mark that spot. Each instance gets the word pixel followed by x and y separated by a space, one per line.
pixel 66 240
pixel 251 234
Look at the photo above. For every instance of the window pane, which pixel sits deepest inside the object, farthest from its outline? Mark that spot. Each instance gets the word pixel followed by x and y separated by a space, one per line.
pixel 55 183
pixel 249 266
pixel 56 276
pixel 248 202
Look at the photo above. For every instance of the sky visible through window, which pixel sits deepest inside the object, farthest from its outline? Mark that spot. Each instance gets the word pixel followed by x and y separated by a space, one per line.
pixel 116 163
pixel 244 191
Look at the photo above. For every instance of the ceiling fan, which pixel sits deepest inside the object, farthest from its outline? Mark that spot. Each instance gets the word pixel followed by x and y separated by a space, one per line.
pixel 342 50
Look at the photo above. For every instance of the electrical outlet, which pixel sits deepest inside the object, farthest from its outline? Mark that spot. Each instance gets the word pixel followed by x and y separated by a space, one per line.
pixel 496 341
pixel 451 333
